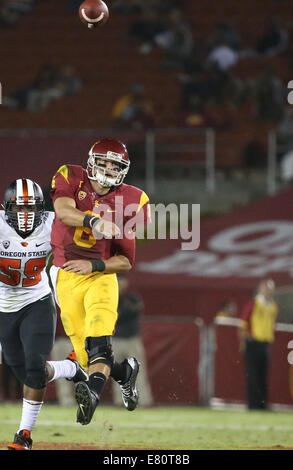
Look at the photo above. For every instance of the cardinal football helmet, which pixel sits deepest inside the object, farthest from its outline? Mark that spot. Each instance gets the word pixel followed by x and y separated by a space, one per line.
pixel 108 150
pixel 24 206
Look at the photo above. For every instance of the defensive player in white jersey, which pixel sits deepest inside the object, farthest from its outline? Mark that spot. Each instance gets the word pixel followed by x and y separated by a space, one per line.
pixel 27 309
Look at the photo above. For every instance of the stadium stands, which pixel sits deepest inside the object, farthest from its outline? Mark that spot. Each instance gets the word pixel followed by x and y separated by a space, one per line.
pixel 108 62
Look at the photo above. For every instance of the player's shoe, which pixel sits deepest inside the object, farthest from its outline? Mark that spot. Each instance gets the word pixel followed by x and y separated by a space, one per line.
pixel 128 389
pixel 22 441
pixel 87 401
pixel 81 375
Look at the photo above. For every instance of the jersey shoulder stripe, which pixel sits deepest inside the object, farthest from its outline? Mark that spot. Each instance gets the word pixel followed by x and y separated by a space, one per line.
pixel 70 173
pixel 136 194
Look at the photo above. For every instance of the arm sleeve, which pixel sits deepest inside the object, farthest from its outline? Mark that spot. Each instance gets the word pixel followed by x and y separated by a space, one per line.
pixel 125 247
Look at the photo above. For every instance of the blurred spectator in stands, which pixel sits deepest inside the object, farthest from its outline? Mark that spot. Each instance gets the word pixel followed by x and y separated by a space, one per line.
pixel 146 27
pixel 132 110
pixel 235 90
pixel 64 83
pixel 68 77
pixel 40 97
pixel 193 116
pixel 18 100
pixel 218 115
pixel 127 339
pixel 227 34
pixel 274 40
pixel 256 334
pixel 176 41
pixel 50 84
pixel 228 309
pixel 271 97
pixel 47 72
pixel 11 11
pixel 193 85
pixel 202 84
pixel 223 56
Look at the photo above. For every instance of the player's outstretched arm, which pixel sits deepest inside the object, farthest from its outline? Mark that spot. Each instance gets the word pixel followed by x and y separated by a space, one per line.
pixel 115 264
pixel 68 214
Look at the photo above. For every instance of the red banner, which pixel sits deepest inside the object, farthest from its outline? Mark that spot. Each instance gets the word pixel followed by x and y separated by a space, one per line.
pixel 173 350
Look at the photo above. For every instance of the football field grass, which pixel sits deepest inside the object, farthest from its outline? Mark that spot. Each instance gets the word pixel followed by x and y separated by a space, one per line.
pixel 168 428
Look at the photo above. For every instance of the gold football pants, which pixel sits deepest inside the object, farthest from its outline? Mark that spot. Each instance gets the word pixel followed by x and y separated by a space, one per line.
pixel 88 304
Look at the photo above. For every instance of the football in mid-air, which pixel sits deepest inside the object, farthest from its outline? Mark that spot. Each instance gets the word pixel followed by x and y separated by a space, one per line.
pixel 93 13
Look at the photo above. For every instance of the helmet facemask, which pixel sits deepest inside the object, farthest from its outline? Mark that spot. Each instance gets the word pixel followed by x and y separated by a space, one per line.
pixel 24 222
pixel 97 171
pixel 24 206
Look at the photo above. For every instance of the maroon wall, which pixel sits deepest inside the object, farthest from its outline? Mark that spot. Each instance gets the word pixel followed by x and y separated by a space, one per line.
pixel 229 377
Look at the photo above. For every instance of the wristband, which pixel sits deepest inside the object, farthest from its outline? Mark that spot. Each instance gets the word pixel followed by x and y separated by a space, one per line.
pixel 89 220
pixel 97 265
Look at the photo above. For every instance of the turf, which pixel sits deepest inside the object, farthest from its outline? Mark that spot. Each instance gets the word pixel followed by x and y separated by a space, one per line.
pixel 186 428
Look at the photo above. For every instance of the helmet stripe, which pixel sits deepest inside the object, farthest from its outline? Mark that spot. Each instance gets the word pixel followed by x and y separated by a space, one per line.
pixel 19 192
pixel 24 188
pixel 25 191
pixel 30 188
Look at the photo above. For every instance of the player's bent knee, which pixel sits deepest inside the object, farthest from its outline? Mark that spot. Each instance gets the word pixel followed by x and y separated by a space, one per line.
pixel 36 379
pixel 36 375
pixel 99 350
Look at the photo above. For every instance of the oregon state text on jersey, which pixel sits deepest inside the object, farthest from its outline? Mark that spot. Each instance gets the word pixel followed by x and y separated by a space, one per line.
pixel 23 277
pixel 69 243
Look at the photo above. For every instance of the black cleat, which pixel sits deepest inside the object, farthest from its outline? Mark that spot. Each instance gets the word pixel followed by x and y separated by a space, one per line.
pixel 87 401
pixel 128 389
pixel 22 441
pixel 81 375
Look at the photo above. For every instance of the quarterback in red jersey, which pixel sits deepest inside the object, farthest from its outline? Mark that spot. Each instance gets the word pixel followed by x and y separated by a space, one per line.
pixel 93 238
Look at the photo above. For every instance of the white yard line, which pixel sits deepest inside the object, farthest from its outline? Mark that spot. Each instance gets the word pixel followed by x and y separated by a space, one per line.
pixel 223 427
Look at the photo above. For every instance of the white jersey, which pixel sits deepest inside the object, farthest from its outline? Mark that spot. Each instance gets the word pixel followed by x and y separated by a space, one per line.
pixel 23 277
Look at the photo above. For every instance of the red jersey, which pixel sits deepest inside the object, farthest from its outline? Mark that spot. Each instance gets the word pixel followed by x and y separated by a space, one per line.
pixel 126 206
